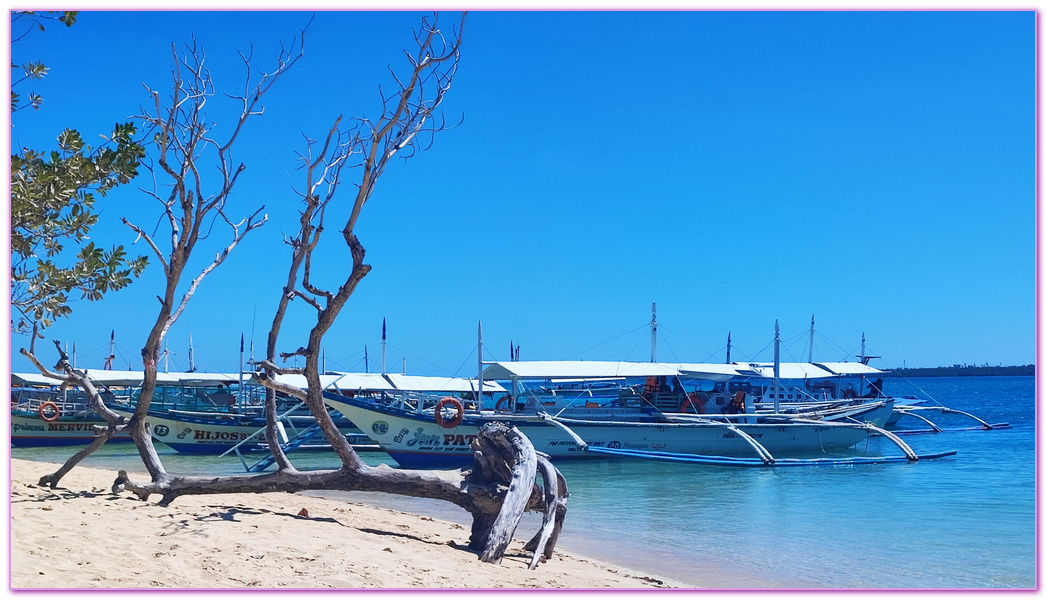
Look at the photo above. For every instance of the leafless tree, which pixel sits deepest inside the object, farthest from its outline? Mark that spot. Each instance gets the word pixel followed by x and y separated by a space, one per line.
pixel 502 482
pixel 179 137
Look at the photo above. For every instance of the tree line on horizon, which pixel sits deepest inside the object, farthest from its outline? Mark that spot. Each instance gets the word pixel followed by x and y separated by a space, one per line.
pixel 964 371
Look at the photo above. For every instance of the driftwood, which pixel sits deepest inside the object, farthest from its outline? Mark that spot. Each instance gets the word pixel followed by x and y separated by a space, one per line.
pixel 496 491
pixel 555 512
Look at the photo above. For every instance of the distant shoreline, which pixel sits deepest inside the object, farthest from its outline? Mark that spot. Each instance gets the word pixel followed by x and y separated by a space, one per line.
pixel 962 371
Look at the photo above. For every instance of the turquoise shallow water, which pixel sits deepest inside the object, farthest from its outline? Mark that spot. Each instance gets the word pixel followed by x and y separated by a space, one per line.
pixel 963 522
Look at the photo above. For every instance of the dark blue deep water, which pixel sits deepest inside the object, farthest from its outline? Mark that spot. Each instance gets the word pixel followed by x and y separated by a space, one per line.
pixel 967 521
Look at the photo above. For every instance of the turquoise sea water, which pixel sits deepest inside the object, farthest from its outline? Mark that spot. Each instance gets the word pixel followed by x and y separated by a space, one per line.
pixel 967 521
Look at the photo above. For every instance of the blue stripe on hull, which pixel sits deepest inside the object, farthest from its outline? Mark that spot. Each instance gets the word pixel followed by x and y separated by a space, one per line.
pixel 411 460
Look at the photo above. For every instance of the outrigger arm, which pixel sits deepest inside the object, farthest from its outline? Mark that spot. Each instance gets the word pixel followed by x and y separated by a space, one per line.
pixel 942 409
pixel 869 427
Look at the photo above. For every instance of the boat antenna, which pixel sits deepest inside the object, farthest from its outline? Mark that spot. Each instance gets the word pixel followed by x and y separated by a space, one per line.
pixel 383 345
pixel 74 355
pixel 777 341
pixel 654 334
pixel 810 349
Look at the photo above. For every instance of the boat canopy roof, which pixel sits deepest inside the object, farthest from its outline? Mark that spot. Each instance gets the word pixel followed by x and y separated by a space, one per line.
pixel 575 369
pixel 24 379
pixel 791 371
pixel 418 383
pixel 715 371
pixel 300 382
pixel 133 378
pixel 849 368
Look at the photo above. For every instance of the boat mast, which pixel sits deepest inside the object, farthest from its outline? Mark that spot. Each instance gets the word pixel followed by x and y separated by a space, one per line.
pixel 108 366
pixel 865 361
pixel 728 347
pixel 479 364
pixel 654 334
pixel 776 365
pixel 383 346
pixel 192 363
pixel 241 382
pixel 810 350
pixel 365 360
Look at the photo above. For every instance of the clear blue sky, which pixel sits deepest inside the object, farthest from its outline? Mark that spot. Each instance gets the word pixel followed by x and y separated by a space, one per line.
pixel 875 169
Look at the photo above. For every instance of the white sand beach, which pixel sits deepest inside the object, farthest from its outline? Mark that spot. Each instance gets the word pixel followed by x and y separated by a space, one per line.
pixel 81 535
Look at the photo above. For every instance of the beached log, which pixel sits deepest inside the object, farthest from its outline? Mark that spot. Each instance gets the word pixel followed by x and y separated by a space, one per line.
pixel 499 488
pixel 543 543
pixel 505 454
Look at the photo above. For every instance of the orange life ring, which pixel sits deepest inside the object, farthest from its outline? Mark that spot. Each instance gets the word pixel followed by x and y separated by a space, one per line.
pixel 695 400
pixel 53 409
pixel 502 404
pixel 457 420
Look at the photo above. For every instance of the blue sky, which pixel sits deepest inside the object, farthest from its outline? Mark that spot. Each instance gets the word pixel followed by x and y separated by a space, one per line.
pixel 874 169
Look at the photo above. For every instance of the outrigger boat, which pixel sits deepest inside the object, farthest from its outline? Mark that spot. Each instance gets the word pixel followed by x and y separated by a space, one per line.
pixel 213 413
pixel 371 387
pixel 420 431
pixel 42 414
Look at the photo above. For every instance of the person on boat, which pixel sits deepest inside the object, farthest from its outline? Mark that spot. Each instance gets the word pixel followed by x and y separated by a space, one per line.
pixel 650 388
pixel 875 389
pixel 677 386
pixel 736 406
pixel 202 395
pixel 663 386
pixel 223 398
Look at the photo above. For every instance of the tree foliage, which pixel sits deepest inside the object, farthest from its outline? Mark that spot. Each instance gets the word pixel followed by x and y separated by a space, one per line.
pixel 53 198
pixel 24 23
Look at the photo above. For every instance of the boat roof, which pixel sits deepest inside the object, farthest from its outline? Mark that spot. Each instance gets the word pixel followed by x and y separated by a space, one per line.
pixel 715 371
pixel 133 378
pixel 419 383
pixel 790 370
pixel 849 368
pixel 575 369
pixel 300 382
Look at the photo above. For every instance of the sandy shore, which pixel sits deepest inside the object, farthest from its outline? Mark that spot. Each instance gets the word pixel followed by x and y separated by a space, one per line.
pixel 83 536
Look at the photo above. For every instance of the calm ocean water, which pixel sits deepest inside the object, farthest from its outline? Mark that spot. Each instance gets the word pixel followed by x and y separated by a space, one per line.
pixel 968 521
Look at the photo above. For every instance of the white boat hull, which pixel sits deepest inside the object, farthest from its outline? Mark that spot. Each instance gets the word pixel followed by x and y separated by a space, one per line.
pixel 416 439
pixel 34 431
pixel 215 435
